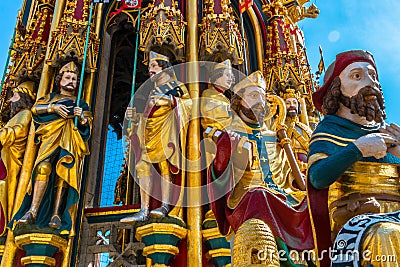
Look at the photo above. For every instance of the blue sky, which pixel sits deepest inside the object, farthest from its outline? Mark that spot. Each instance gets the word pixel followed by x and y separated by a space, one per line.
pixel 369 25
pixel 342 25
pixel 8 19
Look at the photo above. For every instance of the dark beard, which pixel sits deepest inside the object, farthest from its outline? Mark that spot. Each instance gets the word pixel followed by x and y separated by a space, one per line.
pixel 66 88
pixel 368 103
pixel 292 112
pixel 15 107
pixel 256 112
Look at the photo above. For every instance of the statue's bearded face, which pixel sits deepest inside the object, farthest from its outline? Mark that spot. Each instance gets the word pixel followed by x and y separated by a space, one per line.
pixel 361 91
pixel 69 81
pixel 292 107
pixel 254 104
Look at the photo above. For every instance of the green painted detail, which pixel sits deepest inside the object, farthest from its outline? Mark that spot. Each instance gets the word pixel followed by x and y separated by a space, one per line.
pixel 39 250
pixel 37 265
pixel 217 243
pixel 210 224
pixel 167 239
pixel 220 261
pixel 161 258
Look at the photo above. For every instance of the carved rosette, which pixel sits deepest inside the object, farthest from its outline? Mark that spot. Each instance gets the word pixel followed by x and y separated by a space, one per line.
pixel 220 38
pixel 163 26
pixel 68 40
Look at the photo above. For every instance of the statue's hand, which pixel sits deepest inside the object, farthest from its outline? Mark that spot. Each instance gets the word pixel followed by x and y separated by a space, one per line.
pixel 233 135
pixel 61 110
pixel 394 131
pixel 243 150
pixel 131 114
pixel 78 111
pixel 374 145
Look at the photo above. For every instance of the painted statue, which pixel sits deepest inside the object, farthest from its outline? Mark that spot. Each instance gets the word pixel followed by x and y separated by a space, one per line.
pixel 241 179
pixel 13 138
pixel 299 135
pixel 158 141
pixel 354 164
pixel 215 106
pixel 57 171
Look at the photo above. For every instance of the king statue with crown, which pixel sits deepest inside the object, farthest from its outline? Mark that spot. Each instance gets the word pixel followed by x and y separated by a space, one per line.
pixel 55 182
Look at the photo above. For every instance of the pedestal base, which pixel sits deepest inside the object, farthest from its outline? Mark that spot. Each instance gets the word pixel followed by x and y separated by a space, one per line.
pixel 161 241
pixel 219 252
pixel 40 248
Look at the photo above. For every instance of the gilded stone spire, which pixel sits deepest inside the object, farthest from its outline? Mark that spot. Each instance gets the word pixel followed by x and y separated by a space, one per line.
pixel 286 63
pixel 163 26
pixel 68 40
pixel 220 38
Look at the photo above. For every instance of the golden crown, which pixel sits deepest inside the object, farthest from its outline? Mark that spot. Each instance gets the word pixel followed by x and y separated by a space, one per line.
pixel 290 93
pixel 69 67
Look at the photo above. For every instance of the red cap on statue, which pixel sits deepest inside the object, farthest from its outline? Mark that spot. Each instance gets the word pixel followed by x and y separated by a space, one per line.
pixel 342 61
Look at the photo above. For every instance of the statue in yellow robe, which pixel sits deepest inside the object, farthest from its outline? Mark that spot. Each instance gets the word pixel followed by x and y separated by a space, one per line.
pixel 13 138
pixel 57 171
pixel 159 138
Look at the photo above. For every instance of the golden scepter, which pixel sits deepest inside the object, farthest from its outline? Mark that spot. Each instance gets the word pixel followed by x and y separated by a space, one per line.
pixel 278 107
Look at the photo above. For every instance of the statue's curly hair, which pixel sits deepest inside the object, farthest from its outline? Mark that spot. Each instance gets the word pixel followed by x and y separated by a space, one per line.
pixel 25 102
pixel 332 97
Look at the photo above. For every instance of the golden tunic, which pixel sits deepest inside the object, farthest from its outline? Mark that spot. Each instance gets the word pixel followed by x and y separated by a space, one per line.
pixel 366 180
pixel 13 137
pixel 215 109
pixel 370 182
pixel 252 175
pixel 162 138
pixel 300 135
pixel 60 133
pixel 161 133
